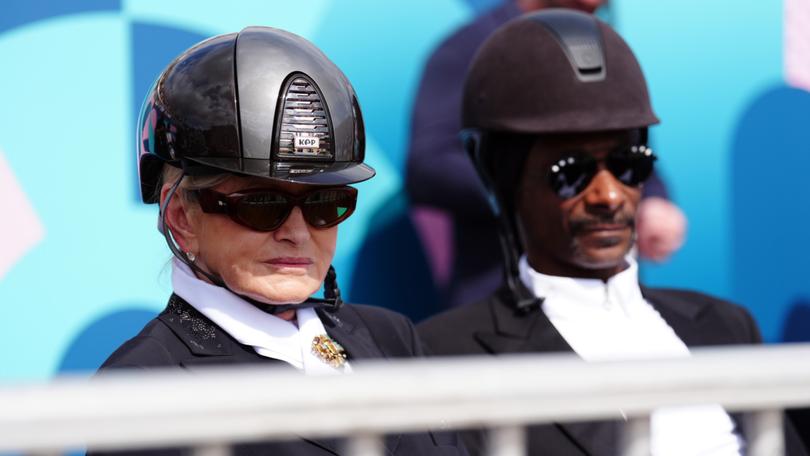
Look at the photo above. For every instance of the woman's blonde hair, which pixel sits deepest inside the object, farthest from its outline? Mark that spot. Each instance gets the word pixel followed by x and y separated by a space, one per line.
pixel 171 174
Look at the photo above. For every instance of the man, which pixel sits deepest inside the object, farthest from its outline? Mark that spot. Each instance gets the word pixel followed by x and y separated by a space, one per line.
pixel 475 270
pixel 556 112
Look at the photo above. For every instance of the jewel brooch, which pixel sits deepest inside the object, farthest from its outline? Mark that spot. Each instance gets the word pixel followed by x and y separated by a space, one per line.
pixel 329 351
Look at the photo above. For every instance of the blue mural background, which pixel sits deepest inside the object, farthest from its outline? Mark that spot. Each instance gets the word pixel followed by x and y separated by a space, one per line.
pixel 74 74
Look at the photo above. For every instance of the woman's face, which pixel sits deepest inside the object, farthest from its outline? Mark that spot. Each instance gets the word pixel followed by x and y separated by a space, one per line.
pixel 283 266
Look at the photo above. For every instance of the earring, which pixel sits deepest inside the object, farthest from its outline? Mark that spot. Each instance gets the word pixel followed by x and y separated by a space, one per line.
pixel 191 257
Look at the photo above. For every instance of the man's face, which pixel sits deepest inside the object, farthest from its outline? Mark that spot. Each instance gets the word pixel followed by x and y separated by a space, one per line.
pixel 585 235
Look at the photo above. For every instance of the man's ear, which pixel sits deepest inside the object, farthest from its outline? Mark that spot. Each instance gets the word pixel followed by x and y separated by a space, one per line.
pixel 179 219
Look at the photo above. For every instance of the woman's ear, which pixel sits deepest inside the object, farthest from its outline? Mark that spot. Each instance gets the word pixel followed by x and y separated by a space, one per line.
pixel 179 219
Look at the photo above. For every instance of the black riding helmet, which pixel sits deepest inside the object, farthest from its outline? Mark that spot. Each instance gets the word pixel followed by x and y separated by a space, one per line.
pixel 262 102
pixel 547 72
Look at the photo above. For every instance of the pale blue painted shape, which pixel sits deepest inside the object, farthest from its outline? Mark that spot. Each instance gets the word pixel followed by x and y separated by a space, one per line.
pixel 67 140
pixel 64 129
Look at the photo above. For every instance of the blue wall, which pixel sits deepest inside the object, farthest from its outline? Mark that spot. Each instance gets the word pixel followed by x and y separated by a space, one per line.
pixel 74 73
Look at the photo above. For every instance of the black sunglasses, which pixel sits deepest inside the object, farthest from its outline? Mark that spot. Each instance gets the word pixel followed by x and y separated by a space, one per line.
pixel 267 210
pixel 631 165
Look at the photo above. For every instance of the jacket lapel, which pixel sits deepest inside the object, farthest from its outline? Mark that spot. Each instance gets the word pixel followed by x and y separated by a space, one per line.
pixel 593 438
pixel 350 333
pixel 207 343
pixel 345 327
pixel 209 346
pixel 684 316
pixel 520 332
pixel 533 332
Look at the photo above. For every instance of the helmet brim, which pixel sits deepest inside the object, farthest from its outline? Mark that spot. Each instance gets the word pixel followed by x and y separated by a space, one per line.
pixel 304 172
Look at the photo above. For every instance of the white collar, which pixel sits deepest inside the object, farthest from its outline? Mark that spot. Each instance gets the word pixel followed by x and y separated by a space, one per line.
pixel 611 321
pixel 269 335
pixel 620 290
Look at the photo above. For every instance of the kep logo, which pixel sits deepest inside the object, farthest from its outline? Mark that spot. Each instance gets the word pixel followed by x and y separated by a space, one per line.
pixel 307 142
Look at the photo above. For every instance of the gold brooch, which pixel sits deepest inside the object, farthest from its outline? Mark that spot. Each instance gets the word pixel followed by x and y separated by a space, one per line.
pixel 329 351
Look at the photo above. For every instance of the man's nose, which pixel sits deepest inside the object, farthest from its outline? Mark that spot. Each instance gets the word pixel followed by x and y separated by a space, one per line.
pixel 294 229
pixel 605 193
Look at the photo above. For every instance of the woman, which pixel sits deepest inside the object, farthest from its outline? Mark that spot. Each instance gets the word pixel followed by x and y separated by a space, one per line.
pixel 249 142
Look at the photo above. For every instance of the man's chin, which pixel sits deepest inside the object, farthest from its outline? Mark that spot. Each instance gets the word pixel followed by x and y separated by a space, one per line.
pixel 604 257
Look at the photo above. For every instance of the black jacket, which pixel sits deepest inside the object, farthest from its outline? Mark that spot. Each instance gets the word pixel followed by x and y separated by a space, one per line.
pixel 493 327
pixel 182 337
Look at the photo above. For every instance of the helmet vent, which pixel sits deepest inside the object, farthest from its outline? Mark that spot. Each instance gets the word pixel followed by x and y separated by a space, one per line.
pixel 580 38
pixel 305 130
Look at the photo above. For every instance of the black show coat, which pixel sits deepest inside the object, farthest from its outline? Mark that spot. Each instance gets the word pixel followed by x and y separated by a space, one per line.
pixel 182 337
pixel 492 327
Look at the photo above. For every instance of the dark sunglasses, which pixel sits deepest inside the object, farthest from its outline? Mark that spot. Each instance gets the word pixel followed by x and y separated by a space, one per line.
pixel 267 210
pixel 631 165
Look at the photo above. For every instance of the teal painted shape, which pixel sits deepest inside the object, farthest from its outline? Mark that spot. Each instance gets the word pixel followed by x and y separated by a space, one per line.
pixel 704 62
pixel 372 194
pixel 99 339
pixel 392 269
pixel 771 208
pixel 21 12
pixel 153 48
pixel 214 17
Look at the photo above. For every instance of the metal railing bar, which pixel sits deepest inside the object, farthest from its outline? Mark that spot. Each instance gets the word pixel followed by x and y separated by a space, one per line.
pixel 507 441
pixel 175 408
pixel 635 438
pixel 212 449
pixel 365 445
pixel 765 433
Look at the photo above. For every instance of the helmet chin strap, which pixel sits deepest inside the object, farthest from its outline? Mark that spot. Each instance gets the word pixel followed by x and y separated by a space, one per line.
pixel 331 301
pixel 515 293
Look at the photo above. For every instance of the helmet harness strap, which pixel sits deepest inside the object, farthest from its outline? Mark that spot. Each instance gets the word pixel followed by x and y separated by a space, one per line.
pixel 331 301
pixel 516 293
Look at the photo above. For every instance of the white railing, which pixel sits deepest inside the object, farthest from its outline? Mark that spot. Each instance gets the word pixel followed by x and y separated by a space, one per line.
pixel 210 409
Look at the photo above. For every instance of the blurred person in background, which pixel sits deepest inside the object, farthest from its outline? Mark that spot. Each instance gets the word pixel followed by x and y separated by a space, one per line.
pixel 249 142
pixel 435 148
pixel 556 112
